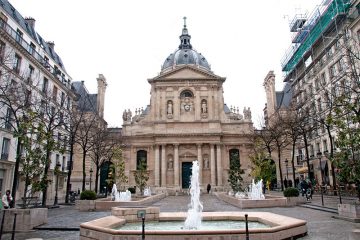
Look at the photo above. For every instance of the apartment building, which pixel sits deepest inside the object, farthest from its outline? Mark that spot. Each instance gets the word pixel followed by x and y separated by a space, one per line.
pixel 30 62
pixel 317 67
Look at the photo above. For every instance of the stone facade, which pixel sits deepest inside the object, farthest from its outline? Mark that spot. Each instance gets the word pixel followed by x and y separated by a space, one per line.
pixel 186 120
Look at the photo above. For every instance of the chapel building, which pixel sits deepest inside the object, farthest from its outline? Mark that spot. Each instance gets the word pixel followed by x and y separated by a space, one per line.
pixel 186 120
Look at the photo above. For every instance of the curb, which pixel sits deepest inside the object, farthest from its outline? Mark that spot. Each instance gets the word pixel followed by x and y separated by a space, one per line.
pixel 320 208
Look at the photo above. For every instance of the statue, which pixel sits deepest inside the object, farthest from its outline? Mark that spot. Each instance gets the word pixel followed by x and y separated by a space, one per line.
pixel 247 113
pixel 203 107
pixel 124 116
pixel 169 108
pixel 128 115
pixel 170 164
pixel 206 163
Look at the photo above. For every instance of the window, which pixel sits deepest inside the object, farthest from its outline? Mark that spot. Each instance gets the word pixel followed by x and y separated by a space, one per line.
pixel 323 79
pixel 319 104
pixel 45 85
pixel 42 108
pixel 325 147
pixel 234 155
pixel 332 71
pixel 68 103
pixel 17 63
pixel 141 158
pixel 32 48
pixel 329 53
pixel 317 85
pixel 63 164
pixel 5 149
pixel 2 51
pixel 8 119
pixel 46 62
pixel 19 35
pixel 337 45
pixel 311 150
pixel 186 93
pixel 55 92
pixel 341 65
pixel 62 99
pixel 31 72
pixel 318 150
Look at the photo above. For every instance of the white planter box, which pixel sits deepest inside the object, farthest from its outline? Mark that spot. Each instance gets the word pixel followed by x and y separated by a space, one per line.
pixel 85 205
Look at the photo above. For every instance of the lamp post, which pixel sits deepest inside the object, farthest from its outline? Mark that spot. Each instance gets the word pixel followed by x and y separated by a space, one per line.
pixel 91 172
pixel 57 169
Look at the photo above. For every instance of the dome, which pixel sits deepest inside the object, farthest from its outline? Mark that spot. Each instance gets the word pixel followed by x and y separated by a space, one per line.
pixel 185 54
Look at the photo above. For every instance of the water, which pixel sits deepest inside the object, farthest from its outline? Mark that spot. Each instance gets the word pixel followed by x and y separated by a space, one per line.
pixel 255 191
pixel 120 196
pixel 179 225
pixel 193 219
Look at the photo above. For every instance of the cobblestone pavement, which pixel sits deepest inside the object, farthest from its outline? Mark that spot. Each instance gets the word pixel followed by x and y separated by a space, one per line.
pixel 321 224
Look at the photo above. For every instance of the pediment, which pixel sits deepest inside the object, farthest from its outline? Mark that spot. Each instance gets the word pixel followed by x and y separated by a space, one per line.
pixel 187 72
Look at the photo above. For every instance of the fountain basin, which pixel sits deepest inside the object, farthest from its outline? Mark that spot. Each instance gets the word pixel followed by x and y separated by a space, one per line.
pixel 106 204
pixel 269 201
pixel 281 227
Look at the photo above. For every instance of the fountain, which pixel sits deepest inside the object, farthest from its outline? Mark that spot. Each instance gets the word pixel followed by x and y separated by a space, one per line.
pixel 120 196
pixel 254 193
pixel 147 192
pixel 124 222
pixel 193 219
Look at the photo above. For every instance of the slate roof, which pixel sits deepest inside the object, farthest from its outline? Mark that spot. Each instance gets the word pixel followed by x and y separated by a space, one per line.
pixel 11 11
pixel 283 98
pixel 86 102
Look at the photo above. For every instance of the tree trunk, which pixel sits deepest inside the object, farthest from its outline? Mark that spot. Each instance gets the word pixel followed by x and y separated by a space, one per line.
pixel 68 183
pixel 16 170
pixel 96 179
pixel 83 168
pixel 292 162
pixel 331 159
pixel 307 156
pixel 281 176
pixel 44 178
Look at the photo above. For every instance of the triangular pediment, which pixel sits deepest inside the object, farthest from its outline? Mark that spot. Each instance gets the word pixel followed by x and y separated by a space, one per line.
pixel 187 72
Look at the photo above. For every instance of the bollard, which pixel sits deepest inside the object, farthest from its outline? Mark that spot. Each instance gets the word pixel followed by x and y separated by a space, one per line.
pixel 340 194
pixel 246 227
pixel 143 228
pixel 2 224
pixel 322 195
pixel 13 230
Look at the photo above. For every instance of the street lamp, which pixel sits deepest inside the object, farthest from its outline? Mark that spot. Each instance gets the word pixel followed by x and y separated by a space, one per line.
pixel 91 172
pixel 57 171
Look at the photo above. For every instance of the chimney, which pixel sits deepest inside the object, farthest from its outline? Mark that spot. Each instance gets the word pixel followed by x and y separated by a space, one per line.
pixel 30 21
pixel 51 45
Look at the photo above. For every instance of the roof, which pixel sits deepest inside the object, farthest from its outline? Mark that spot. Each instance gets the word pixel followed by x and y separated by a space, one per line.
pixel 283 98
pixel 36 37
pixel 185 54
pixel 86 102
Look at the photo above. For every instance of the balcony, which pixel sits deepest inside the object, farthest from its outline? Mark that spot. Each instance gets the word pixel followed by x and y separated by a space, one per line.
pixel 30 49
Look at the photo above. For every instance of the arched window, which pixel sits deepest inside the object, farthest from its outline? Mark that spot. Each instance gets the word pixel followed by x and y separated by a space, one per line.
pixel 141 158
pixel 234 155
pixel 186 93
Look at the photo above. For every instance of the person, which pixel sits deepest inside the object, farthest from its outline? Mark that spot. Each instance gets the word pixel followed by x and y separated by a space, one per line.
pixel 285 183
pixel 7 200
pixel 303 186
pixel 208 188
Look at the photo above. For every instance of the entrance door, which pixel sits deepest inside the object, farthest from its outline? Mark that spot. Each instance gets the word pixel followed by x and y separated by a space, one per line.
pixel 186 174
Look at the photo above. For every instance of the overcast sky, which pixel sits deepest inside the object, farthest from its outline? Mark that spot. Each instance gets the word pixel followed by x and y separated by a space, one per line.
pixel 128 41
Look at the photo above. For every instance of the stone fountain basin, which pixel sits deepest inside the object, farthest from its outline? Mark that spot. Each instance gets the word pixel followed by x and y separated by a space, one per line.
pixel 282 227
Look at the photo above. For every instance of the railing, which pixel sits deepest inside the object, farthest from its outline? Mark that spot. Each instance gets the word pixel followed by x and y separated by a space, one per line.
pixel 56 72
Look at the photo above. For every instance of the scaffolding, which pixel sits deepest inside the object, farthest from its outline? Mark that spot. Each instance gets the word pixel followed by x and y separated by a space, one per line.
pixel 309 30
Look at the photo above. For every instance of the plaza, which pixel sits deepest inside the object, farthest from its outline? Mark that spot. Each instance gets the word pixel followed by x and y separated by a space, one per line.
pixel 63 223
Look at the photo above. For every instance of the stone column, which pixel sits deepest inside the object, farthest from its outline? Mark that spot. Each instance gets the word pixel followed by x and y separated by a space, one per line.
pixel 157 166
pixel 212 165
pixel 199 158
pixel 176 165
pixel 219 168
pixel 163 166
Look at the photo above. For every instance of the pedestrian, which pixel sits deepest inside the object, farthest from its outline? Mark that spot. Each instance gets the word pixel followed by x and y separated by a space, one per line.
pixel 7 200
pixel 285 182
pixel 208 188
